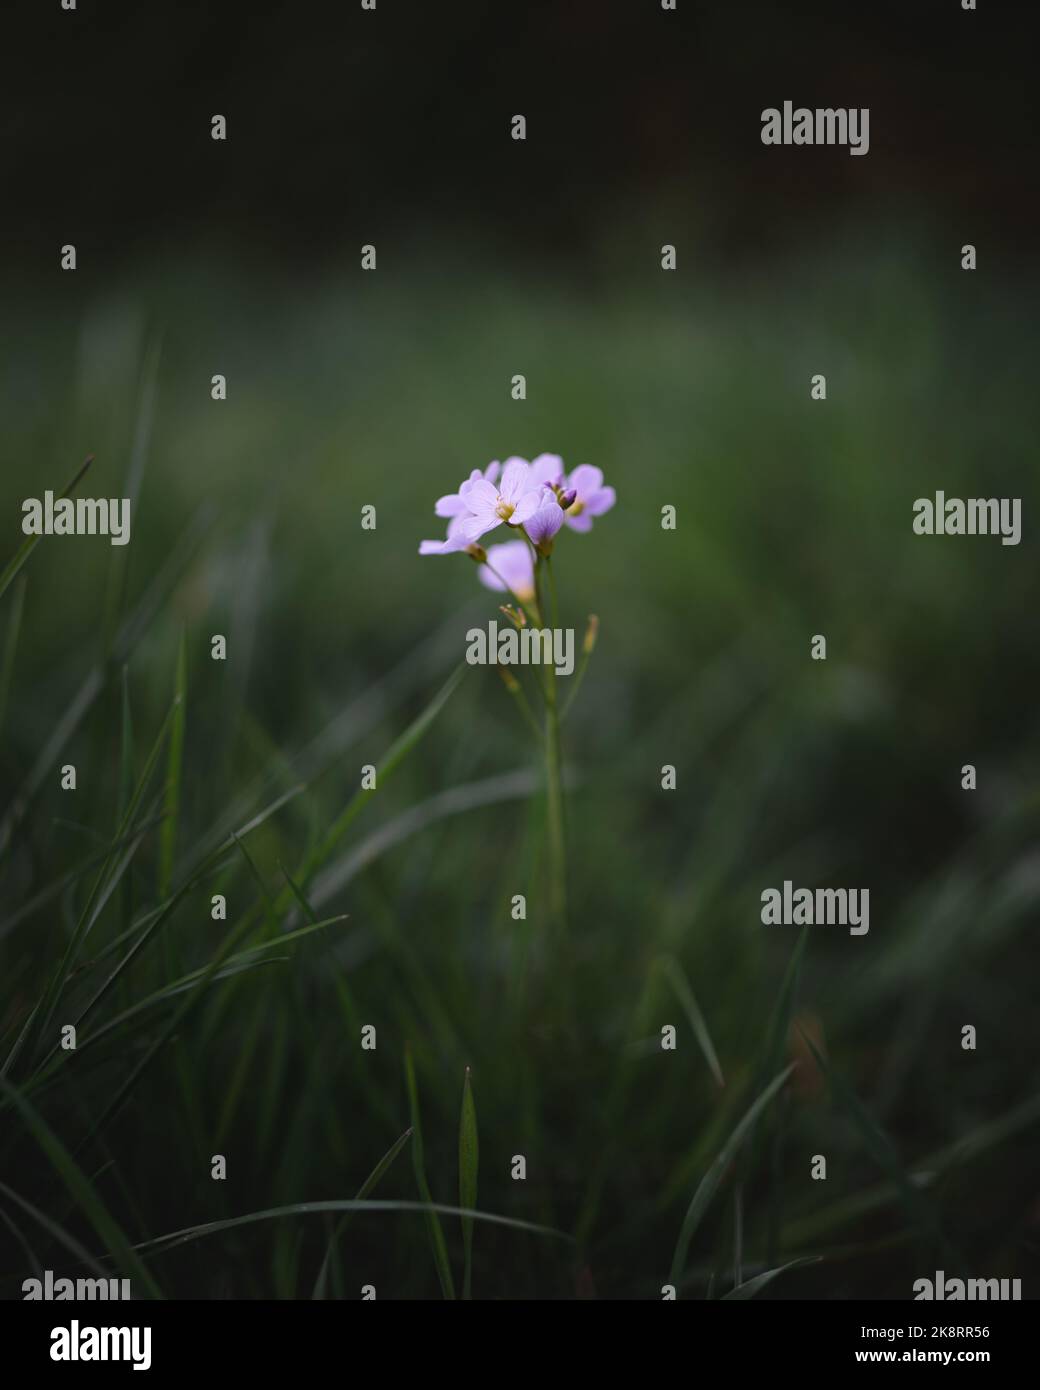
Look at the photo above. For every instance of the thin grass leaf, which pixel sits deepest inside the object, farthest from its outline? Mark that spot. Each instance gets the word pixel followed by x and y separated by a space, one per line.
pixel 774 1050
pixel 61 884
pixel 174 770
pixel 710 1182
pixel 433 1225
pixel 753 1286
pixel 927 1172
pixel 21 1239
pixel 56 1232
pixel 675 976
pixel 161 1244
pixel 106 881
pixel 261 816
pixel 366 1187
pixel 299 895
pixel 30 543
pixel 391 761
pixel 126 785
pixel 119 565
pixel 126 640
pixel 880 1147
pixel 738 1235
pixel 779 1027
pixel 469 1160
pixel 489 791
pixel 204 979
pixel 235 965
pixel 265 894
pixel 14 627
pixel 39 1019
pixel 82 1191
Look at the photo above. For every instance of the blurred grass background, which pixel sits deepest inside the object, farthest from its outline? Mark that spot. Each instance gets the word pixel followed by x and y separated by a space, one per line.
pixel 793 519
pixel 386 388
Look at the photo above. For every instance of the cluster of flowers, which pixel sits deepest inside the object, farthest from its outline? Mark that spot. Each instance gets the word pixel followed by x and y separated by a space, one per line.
pixel 536 498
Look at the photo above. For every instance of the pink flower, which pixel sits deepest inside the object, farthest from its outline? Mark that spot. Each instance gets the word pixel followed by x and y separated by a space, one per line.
pixel 546 521
pixel 592 498
pixel 512 561
pixel 453 504
pixel 454 541
pixel 514 500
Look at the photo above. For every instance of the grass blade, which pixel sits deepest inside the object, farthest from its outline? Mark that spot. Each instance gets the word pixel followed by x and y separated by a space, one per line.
pixel 174 766
pixel 710 1182
pixel 206 975
pixel 469 1157
pixel 752 1286
pixel 106 881
pixel 675 976
pixel 56 1232
pixel 30 543
pixel 160 1244
pixel 883 1151
pixel 433 1225
pixel 82 1192
pixel 392 759
pixel 94 683
pixel 14 625
pixel 366 1187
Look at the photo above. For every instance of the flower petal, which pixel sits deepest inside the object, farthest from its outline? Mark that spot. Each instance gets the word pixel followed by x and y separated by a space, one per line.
pixel 586 479
pixel 546 521
pixel 600 501
pixel 445 547
pixel 546 468
pixel 526 505
pixel 450 505
pixel 514 479
pixel 512 561
pixel 473 527
pixel 481 494
pixel 581 522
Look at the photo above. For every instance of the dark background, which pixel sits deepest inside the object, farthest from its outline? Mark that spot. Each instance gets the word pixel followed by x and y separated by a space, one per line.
pixel 347 126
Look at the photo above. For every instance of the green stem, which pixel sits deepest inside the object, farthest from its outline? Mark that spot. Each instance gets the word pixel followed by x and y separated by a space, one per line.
pixel 553 755
pixel 586 652
pixel 554 776
pixel 552 588
pixel 516 690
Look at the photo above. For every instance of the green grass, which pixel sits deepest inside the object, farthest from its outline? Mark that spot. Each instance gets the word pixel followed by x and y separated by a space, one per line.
pixel 346 908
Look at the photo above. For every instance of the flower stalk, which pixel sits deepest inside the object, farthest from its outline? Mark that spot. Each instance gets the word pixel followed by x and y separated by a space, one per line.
pixel 533 501
pixel 554 784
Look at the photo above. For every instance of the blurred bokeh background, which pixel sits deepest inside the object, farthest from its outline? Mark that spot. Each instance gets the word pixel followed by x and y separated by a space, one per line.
pixel 347 388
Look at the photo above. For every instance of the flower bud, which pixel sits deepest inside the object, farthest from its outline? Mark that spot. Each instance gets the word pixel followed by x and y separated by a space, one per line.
pixel 567 498
pixel 478 553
